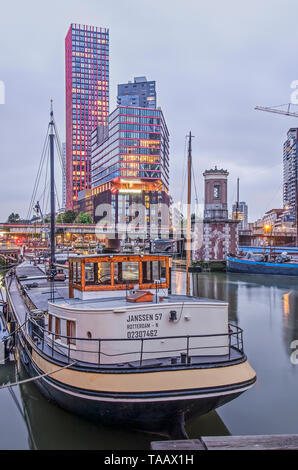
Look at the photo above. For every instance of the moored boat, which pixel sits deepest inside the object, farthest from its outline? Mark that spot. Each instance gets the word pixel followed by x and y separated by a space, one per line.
pixel 135 355
pixel 257 265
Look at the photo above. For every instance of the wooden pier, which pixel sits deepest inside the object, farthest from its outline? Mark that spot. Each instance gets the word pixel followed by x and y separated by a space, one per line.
pixel 261 442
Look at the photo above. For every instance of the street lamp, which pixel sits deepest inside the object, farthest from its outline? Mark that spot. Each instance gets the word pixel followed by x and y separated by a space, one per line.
pixel 268 227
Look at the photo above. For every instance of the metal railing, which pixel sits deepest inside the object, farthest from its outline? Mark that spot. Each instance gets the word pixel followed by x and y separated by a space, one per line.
pixel 188 354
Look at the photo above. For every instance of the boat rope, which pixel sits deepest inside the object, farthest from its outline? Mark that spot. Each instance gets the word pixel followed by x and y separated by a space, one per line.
pixel 43 156
pixel 194 181
pixel 184 171
pixel 38 377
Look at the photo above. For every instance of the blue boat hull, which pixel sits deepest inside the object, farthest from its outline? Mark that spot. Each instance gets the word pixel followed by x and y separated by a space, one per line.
pixel 247 266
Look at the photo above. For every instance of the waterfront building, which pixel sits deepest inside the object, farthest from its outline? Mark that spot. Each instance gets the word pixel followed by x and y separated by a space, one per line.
pixel 220 234
pixel 130 169
pixel 87 101
pixel 140 93
pixel 272 219
pixel 290 152
pixel 240 213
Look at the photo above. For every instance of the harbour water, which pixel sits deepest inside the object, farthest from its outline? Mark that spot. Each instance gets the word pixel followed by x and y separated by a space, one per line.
pixel 266 307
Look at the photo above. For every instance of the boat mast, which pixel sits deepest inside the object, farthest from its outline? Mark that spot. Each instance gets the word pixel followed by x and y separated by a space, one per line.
pixel 52 176
pixel 188 240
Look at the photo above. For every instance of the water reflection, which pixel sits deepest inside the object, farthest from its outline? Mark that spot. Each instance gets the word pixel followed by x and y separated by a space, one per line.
pixel 266 307
pixel 216 287
pixel 50 427
pixel 290 318
pixel 280 292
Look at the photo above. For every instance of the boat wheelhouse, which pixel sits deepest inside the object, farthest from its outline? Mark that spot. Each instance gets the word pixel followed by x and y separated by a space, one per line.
pixel 89 276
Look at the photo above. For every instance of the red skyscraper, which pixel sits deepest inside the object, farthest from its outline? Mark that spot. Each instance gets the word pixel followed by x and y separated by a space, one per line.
pixel 87 101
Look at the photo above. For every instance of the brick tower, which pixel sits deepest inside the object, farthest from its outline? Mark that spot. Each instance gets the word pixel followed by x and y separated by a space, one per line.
pixel 220 234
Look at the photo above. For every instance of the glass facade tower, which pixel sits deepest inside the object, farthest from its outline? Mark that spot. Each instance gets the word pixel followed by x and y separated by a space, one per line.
pixel 87 101
pixel 134 145
pixel 130 164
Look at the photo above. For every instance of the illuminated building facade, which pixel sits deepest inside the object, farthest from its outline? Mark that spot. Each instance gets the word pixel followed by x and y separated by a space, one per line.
pixel 130 164
pixel 87 101
pixel 64 175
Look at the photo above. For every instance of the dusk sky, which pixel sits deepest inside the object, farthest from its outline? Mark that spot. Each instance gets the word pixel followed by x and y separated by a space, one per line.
pixel 212 62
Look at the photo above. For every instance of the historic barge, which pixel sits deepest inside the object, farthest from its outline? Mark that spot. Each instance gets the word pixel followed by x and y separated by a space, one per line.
pixel 115 346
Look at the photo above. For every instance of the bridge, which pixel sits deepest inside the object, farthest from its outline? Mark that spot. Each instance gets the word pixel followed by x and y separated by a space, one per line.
pixel 30 229
pixel 64 232
pixel 275 237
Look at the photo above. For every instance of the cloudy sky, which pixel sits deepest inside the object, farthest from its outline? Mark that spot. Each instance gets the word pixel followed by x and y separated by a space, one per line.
pixel 213 61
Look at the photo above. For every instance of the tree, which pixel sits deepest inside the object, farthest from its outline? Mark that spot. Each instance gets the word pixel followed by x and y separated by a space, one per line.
pixel 13 218
pixel 84 218
pixel 67 217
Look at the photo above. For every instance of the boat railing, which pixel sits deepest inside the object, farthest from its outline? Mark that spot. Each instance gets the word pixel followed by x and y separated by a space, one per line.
pixel 71 349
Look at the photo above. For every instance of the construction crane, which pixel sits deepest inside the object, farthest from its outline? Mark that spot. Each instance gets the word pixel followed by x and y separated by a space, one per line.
pixel 274 109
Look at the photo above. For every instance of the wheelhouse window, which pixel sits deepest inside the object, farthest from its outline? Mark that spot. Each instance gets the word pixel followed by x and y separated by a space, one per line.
pixel 98 273
pixel 103 273
pixel 125 272
pixel 90 273
pixel 163 270
pixel 77 273
pixel 152 271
